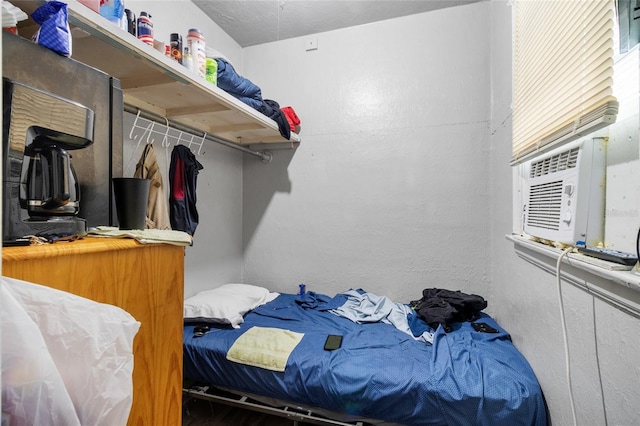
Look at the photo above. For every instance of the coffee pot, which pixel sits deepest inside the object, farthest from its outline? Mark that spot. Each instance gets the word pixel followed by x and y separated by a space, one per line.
pixel 50 184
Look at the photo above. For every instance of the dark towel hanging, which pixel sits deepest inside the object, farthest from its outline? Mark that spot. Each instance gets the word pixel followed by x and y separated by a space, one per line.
pixel 183 176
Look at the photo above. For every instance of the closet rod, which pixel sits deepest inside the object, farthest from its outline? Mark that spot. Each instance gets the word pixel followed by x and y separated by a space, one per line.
pixel 265 156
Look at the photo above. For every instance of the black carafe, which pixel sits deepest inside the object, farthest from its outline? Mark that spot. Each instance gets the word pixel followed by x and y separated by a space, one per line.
pixel 50 183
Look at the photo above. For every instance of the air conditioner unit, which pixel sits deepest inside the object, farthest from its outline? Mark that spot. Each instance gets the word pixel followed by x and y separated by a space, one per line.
pixel 565 194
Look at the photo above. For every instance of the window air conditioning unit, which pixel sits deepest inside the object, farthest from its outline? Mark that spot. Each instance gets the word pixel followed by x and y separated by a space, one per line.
pixel 565 194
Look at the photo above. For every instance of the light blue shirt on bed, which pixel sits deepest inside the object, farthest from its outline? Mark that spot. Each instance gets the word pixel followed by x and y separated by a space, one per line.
pixel 362 307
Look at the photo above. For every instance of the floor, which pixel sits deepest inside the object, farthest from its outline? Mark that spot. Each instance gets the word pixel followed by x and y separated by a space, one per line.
pixel 197 412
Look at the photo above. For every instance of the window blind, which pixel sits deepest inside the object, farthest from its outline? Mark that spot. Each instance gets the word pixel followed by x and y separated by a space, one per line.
pixel 563 72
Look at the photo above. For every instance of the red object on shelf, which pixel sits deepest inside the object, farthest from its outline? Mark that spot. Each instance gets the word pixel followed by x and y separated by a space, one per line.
pixel 292 118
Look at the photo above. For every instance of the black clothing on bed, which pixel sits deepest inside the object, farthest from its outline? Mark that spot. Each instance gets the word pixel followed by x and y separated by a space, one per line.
pixel 442 307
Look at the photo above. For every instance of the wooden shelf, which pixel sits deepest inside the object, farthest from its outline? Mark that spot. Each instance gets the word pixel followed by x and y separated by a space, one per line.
pixel 158 84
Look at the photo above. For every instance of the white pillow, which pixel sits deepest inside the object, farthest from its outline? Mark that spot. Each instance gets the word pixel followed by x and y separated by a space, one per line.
pixel 226 304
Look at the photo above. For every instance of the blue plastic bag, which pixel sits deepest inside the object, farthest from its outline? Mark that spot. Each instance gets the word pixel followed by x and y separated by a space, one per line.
pixel 113 10
pixel 54 32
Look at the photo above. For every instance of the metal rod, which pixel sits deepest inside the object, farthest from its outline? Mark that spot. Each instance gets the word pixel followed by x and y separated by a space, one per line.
pixel 265 156
pixel 284 412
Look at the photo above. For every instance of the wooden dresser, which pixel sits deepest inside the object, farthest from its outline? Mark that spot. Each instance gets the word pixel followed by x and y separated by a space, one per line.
pixel 145 280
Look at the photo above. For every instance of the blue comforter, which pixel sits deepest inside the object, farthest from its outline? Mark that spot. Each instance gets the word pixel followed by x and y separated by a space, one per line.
pixel 465 377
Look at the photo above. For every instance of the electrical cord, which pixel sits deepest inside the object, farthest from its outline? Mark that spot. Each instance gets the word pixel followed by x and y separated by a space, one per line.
pixel 564 329
pixel 564 333
pixel 638 244
pixel 597 352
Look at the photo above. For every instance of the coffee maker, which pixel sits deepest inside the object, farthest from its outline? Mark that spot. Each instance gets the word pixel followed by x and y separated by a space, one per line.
pixel 54 105
pixel 41 191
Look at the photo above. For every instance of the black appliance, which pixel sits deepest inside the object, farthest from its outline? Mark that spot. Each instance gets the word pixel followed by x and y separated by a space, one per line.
pixel 62 143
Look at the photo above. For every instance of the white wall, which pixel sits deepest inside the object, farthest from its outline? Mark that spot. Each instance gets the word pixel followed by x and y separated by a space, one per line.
pixel 603 340
pixel 623 158
pixel 388 189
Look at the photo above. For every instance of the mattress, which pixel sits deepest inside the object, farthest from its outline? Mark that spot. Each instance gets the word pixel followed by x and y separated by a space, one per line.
pixel 464 377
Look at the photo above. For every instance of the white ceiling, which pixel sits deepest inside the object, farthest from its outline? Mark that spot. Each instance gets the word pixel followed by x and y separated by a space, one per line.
pixel 251 22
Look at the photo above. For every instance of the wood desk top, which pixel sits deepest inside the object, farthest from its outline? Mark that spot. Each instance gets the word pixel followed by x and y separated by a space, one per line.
pixel 64 248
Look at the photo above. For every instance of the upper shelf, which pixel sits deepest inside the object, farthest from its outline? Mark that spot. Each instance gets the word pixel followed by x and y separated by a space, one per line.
pixel 156 83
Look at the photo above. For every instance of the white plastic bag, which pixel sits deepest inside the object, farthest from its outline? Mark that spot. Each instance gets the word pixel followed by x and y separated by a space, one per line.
pixel 33 392
pixel 90 345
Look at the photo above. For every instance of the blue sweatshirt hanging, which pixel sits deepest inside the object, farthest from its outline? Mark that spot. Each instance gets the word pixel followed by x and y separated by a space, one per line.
pixel 183 176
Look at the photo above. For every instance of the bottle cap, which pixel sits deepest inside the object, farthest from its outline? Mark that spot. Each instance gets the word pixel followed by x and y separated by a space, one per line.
pixel 194 32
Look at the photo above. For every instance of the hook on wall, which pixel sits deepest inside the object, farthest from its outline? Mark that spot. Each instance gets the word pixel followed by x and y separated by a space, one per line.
pixel 189 140
pixel 131 136
pixel 146 126
pixel 147 129
pixel 204 137
pixel 165 138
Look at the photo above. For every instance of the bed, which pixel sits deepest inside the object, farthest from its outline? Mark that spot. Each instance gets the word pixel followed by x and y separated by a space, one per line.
pixel 382 373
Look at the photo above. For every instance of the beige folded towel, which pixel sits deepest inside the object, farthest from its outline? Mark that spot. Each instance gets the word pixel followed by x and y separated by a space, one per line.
pixel 264 347
pixel 145 236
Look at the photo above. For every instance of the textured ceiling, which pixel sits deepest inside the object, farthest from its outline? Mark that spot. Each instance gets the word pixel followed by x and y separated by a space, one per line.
pixel 251 22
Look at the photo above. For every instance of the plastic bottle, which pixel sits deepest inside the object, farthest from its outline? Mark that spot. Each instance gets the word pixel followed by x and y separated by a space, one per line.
pixel 113 10
pixel 131 22
pixel 175 40
pixel 211 74
pixel 187 59
pixel 195 42
pixel 145 28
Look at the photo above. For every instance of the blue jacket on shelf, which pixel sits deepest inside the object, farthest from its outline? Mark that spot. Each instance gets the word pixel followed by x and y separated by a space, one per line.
pixel 234 84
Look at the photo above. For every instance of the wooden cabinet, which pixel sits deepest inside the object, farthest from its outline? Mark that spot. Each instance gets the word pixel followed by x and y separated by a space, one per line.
pixel 145 280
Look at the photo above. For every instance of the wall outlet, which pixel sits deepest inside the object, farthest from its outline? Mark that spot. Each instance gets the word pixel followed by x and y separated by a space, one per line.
pixel 311 44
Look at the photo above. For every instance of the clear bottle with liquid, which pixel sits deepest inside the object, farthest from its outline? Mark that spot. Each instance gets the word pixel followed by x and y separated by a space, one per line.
pixel 187 59
pixel 196 44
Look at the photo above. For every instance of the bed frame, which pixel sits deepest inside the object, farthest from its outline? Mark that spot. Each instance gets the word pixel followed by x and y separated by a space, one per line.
pixel 274 407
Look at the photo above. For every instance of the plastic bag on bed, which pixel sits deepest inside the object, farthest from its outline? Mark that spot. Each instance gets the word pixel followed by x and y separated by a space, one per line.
pixel 65 359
